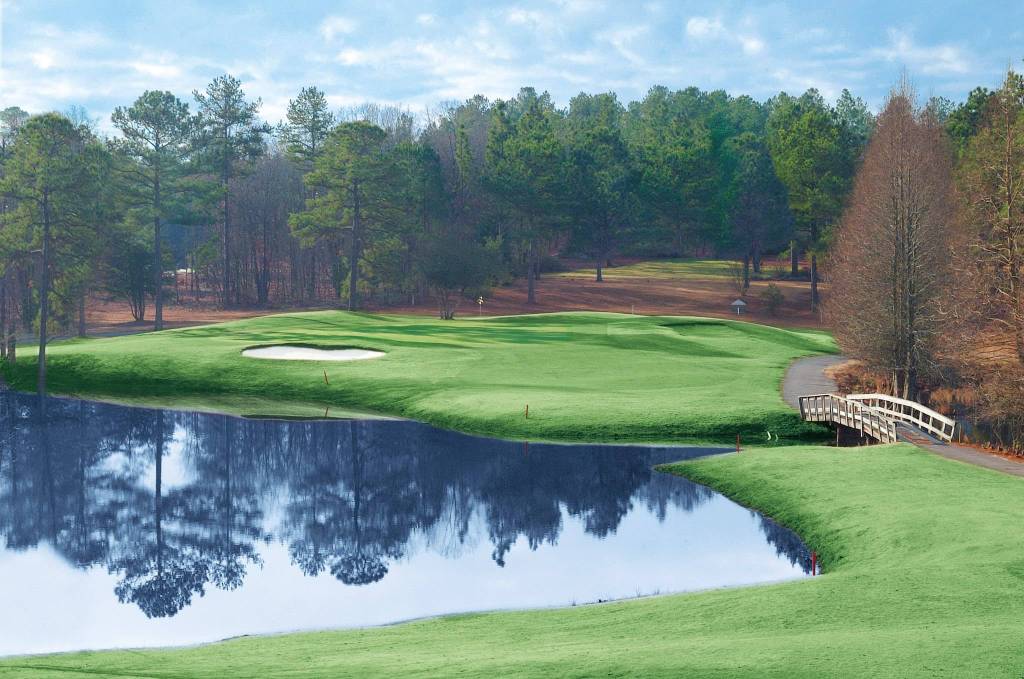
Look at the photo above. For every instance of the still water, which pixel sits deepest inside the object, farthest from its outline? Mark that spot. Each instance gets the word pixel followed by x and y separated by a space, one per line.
pixel 136 527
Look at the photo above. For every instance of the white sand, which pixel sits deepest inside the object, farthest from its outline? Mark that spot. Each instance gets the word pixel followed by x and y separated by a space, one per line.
pixel 311 354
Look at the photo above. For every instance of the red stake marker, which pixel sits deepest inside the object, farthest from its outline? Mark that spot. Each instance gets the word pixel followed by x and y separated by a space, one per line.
pixel 814 563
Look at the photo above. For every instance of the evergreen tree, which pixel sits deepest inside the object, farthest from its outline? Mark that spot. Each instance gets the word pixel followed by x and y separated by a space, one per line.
pixel 156 132
pixel 806 142
pixel 603 179
pixel 526 172
pixel 759 216
pixel 55 176
pixel 309 122
pixel 229 133
pixel 354 172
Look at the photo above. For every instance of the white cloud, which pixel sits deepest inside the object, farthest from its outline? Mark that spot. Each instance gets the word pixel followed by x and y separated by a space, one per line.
pixel 44 59
pixel 587 58
pixel 352 57
pixel 431 54
pixel 581 6
pixel 78 38
pixel 787 78
pixel 517 16
pixel 488 42
pixel 714 29
pixel 836 48
pixel 156 69
pixel 931 60
pixel 751 44
pixel 622 40
pixel 701 28
pixel 333 26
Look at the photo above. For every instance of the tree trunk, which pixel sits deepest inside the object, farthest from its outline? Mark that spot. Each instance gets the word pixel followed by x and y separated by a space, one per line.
pixel 310 282
pixel 814 281
pixel 1020 335
pixel 1016 298
pixel 746 272
pixel 158 263
pixel 599 277
pixel 158 454
pixel 531 273
pixel 226 274
pixel 3 318
pixel 794 261
pixel 263 277
pixel 9 328
pixel 353 257
pixel 815 235
pixel 44 297
pixel 193 283
pixel 81 315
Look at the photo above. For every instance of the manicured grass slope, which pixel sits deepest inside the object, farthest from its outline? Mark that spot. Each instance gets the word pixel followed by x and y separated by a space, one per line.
pixel 585 376
pixel 924 563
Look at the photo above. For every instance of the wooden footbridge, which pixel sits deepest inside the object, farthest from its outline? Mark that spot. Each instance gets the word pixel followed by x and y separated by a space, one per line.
pixel 886 419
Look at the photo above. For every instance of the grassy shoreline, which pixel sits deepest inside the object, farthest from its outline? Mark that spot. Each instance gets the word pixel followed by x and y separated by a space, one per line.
pixel 585 376
pixel 922 578
pixel 922 555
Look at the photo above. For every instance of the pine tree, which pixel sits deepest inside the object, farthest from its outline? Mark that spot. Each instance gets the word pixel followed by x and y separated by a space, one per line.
pixel 156 134
pixel 355 194
pixel 229 132
pixel 54 175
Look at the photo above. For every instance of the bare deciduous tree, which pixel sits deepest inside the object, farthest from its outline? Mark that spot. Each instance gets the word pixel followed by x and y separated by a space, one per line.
pixel 891 256
pixel 266 197
pixel 992 182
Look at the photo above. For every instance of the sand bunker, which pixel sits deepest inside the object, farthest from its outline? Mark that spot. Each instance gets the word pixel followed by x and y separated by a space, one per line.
pixel 310 354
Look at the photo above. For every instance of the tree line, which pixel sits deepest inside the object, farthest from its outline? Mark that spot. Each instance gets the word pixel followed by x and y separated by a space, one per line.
pixel 928 259
pixel 372 205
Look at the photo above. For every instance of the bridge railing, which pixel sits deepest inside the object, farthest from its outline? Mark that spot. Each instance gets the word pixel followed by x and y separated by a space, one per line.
pixel 910 412
pixel 849 413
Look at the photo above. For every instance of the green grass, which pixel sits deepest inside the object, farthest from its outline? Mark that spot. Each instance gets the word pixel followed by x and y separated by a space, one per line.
pixel 683 269
pixel 924 569
pixel 585 376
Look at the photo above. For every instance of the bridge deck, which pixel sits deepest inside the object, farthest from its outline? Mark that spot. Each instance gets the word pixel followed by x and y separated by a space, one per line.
pixel 806 376
pixel 834 409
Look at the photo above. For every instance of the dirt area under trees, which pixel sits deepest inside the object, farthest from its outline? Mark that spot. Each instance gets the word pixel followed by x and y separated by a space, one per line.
pixel 651 296
pixel 669 295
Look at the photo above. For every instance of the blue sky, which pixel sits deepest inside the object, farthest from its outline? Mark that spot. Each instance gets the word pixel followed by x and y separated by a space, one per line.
pixel 102 53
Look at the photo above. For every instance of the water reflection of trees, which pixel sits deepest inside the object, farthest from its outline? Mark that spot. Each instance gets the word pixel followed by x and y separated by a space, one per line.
pixel 346 498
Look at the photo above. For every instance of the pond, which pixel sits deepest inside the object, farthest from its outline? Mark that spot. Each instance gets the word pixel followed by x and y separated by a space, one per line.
pixel 129 527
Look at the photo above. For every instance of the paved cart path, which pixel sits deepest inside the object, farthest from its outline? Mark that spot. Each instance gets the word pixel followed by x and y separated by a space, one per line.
pixel 807 376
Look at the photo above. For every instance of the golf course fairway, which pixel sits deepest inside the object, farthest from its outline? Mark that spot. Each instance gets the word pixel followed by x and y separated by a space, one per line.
pixel 924 565
pixel 585 376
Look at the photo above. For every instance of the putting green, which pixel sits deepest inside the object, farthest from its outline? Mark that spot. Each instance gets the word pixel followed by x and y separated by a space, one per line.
pixel 584 376
pixel 290 352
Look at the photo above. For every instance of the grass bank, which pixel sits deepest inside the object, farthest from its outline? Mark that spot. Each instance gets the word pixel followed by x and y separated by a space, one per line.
pixel 924 570
pixel 585 376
